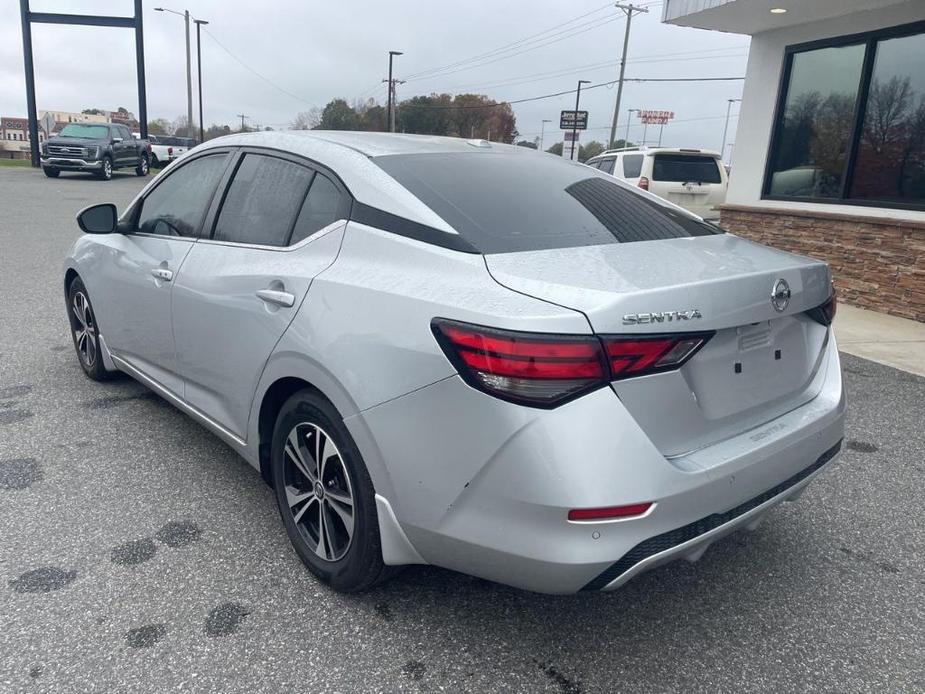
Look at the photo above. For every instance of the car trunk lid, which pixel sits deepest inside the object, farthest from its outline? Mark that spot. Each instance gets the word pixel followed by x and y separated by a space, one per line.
pixel 762 360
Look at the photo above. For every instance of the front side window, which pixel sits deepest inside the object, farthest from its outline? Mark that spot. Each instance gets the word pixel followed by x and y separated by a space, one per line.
pixel 176 207
pixel 846 132
pixel 262 201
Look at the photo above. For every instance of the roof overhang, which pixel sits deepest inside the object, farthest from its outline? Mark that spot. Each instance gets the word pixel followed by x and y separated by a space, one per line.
pixel 755 16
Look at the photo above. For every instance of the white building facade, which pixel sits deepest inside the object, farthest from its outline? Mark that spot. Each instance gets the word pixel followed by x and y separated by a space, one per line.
pixel 830 148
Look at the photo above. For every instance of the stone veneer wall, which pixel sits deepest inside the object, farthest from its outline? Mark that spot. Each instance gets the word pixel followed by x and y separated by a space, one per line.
pixel 877 263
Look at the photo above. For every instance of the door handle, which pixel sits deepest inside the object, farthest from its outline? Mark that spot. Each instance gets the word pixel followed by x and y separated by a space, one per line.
pixel 274 296
pixel 162 273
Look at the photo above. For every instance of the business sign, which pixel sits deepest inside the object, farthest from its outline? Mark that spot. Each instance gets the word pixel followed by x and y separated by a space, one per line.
pixel 573 120
pixel 655 117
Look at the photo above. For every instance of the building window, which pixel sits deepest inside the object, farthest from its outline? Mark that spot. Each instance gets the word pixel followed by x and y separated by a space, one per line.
pixel 850 125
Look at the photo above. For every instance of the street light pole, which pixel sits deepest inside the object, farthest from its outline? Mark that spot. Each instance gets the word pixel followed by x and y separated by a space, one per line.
pixel 628 10
pixel 726 128
pixel 626 139
pixel 571 155
pixel 543 131
pixel 189 68
pixel 391 108
pixel 199 23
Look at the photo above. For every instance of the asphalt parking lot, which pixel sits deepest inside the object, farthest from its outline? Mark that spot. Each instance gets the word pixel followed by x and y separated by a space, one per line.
pixel 138 554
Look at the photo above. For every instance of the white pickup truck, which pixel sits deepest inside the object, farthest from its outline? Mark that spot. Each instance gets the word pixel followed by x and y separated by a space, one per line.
pixel 166 148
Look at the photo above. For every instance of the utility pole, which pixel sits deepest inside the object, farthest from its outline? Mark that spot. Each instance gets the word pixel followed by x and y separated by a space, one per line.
pixel 199 23
pixel 543 131
pixel 189 69
pixel 242 117
pixel 571 155
pixel 628 10
pixel 729 103
pixel 391 109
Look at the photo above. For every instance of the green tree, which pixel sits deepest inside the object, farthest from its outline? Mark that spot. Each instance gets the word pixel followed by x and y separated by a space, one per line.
pixel 94 111
pixel 592 149
pixel 159 126
pixel 426 115
pixel 338 115
pixel 214 131
pixel 556 149
pixel 528 144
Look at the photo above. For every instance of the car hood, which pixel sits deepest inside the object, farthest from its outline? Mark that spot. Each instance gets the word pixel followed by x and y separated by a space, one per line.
pixel 75 142
pixel 727 279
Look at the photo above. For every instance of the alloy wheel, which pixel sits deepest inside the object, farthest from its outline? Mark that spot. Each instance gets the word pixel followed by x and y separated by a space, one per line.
pixel 84 329
pixel 107 169
pixel 318 491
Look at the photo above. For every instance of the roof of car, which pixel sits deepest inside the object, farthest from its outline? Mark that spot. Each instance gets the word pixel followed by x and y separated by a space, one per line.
pixel 371 144
pixel 656 150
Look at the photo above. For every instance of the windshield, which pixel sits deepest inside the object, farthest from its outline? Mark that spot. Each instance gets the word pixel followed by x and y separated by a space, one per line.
pixel 91 132
pixel 503 202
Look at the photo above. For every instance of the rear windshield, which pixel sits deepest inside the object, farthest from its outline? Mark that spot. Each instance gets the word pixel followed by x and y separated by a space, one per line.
pixel 504 202
pixel 684 168
pixel 92 132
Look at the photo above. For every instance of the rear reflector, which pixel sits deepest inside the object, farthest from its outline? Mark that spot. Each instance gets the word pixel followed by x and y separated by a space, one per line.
pixel 546 370
pixel 608 512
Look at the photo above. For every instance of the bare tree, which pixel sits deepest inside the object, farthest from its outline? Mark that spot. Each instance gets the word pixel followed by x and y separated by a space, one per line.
pixel 306 120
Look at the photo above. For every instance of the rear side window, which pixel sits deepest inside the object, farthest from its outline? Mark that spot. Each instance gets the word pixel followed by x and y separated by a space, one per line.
pixel 502 201
pixel 178 204
pixel 683 168
pixel 607 165
pixel 323 205
pixel 632 165
pixel 262 202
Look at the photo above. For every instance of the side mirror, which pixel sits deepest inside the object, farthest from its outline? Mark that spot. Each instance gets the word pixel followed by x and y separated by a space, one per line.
pixel 98 219
pixel 116 140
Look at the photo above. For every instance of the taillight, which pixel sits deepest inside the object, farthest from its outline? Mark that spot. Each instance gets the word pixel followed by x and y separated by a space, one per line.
pixel 546 370
pixel 637 356
pixel 169 151
pixel 825 313
pixel 643 183
pixel 531 368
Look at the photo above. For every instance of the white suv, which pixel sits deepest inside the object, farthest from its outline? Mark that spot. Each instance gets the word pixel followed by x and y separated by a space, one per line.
pixel 694 179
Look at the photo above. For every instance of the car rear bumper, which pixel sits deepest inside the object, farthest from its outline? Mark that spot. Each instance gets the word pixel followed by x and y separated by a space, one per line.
pixel 70 164
pixel 484 487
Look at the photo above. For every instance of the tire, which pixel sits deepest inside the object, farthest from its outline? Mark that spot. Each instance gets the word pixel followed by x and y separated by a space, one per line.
pixel 142 168
pixel 105 172
pixel 84 332
pixel 346 562
pixel 51 173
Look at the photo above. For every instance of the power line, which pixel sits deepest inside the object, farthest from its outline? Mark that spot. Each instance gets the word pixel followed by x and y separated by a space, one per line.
pixel 508 46
pixel 555 38
pixel 591 67
pixel 249 68
pixel 572 91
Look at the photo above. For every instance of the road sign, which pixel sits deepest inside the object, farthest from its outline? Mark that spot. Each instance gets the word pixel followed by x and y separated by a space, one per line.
pixel 654 117
pixel 573 120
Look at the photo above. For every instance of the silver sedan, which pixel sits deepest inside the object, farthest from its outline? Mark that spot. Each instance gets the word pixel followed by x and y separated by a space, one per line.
pixel 464 353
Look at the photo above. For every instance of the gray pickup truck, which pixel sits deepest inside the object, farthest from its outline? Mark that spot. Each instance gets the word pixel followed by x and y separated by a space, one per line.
pixel 98 148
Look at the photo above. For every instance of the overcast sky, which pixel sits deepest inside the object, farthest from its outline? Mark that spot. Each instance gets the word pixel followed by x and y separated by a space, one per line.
pixel 315 51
